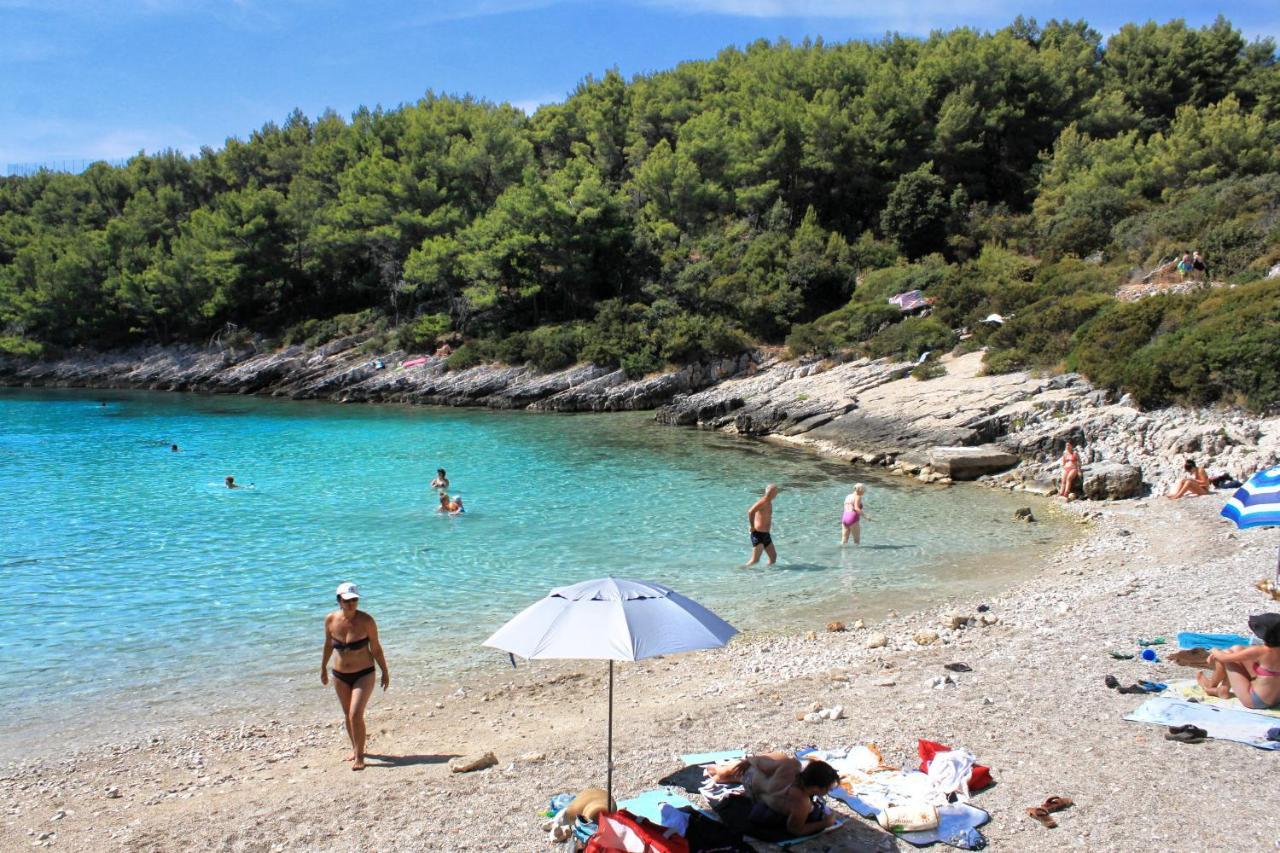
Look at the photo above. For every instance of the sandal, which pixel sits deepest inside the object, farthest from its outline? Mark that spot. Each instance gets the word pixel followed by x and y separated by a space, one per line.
pixel 958 667
pixel 1111 682
pixel 1186 734
pixel 1039 813
pixel 1057 804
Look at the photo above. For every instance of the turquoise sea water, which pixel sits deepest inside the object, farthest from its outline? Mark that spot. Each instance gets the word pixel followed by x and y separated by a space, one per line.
pixel 136 583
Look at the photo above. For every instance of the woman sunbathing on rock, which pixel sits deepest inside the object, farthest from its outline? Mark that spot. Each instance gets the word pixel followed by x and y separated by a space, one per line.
pixel 1251 673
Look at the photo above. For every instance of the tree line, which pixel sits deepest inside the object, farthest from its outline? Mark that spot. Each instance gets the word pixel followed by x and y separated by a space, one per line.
pixel 774 194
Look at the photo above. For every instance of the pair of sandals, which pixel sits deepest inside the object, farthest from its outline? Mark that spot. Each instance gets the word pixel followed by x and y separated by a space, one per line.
pixel 1043 812
pixel 1186 734
pixel 1134 689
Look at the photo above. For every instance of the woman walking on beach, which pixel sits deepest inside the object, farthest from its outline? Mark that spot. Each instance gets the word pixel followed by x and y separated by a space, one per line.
pixel 353 636
pixel 851 519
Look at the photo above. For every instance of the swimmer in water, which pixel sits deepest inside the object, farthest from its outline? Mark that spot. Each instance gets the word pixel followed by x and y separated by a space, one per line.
pixel 231 483
pixel 851 520
pixel 444 502
pixel 455 506
pixel 441 481
pixel 173 448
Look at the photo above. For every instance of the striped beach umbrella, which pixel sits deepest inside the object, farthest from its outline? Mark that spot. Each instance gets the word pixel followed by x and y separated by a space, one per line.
pixel 1257 504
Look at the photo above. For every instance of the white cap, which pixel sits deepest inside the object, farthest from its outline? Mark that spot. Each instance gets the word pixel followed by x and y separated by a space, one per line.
pixel 348 591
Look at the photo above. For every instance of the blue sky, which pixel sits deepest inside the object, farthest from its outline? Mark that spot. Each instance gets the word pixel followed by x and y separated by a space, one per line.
pixel 105 79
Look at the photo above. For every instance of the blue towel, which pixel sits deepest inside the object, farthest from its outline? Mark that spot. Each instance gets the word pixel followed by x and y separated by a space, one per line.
pixel 1240 726
pixel 1193 640
pixel 649 804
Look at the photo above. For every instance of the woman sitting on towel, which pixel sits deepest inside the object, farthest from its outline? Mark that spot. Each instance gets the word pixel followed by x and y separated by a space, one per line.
pixel 1252 673
pixel 784 790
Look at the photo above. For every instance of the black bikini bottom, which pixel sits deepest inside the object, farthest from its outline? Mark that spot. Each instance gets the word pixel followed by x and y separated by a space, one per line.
pixel 350 678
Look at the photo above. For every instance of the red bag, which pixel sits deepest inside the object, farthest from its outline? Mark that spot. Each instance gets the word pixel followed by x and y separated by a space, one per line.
pixel 623 831
pixel 979 776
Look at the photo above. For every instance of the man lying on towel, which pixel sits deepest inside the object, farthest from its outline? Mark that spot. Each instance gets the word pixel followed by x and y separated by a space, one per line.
pixel 785 792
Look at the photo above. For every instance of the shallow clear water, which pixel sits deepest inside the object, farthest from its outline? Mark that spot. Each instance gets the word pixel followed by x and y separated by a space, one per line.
pixel 135 581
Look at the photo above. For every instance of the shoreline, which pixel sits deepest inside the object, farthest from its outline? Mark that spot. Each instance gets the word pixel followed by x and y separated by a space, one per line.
pixel 1035 692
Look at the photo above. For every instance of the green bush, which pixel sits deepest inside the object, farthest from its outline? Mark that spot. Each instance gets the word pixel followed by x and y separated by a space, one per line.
pixel 16 345
pixel 910 338
pixel 931 369
pixel 423 333
pixel 810 339
pixel 317 332
pixel 1043 332
pixel 553 347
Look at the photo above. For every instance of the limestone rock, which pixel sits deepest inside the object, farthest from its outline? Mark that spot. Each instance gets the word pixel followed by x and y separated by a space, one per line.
pixel 1023 514
pixel 469 763
pixel 1111 481
pixel 969 463
pixel 926 637
pixel 877 641
pixel 835 627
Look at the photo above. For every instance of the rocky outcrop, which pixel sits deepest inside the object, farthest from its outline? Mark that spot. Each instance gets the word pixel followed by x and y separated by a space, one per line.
pixel 344 371
pixel 1112 481
pixel 970 463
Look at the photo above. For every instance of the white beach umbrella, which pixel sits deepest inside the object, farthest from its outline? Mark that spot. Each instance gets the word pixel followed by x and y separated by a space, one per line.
pixel 611 619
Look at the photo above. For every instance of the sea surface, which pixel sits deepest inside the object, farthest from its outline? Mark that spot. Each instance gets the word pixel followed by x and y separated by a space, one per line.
pixel 140 589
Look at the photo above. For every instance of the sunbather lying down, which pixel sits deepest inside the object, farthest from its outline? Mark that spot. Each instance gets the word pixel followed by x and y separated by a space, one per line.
pixel 785 787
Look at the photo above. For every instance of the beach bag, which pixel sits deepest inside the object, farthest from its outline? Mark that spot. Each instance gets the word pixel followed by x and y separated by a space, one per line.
pixel 623 832
pixel 979 777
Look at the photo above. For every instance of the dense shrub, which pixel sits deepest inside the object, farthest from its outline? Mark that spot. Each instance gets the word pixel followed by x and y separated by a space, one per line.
pixel 553 347
pixel 1041 334
pixel 911 337
pixel 315 332
pixel 422 334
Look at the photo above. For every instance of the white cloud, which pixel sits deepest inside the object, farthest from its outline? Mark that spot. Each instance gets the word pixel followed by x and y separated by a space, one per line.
pixel 529 106
pixel 34 140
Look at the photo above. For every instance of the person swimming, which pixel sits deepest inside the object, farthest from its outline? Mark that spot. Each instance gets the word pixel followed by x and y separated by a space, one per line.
pixel 231 483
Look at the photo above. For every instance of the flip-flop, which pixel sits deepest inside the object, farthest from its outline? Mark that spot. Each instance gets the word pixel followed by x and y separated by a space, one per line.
pixel 958 667
pixel 1186 734
pixel 1121 655
pixel 1134 689
pixel 1111 682
pixel 1057 804
pixel 1152 686
pixel 1039 813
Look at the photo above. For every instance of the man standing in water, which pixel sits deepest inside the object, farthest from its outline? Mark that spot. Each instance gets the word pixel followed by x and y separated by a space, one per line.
pixel 760 519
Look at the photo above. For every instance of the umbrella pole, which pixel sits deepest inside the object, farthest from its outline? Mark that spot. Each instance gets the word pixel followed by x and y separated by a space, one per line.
pixel 609 771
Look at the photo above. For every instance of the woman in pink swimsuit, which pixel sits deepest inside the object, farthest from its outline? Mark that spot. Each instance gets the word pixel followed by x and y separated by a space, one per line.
pixel 1251 673
pixel 851 519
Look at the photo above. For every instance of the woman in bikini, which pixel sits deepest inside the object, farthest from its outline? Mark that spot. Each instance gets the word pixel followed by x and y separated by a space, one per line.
pixel 352 635
pixel 1070 471
pixel 851 520
pixel 1195 483
pixel 1251 673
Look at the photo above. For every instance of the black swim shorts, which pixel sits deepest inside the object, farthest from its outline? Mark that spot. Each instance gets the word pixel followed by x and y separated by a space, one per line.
pixel 759 537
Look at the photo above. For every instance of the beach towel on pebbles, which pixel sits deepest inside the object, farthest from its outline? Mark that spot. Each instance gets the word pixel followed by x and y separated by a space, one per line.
pixel 869 786
pixel 1221 723
pixel 1191 690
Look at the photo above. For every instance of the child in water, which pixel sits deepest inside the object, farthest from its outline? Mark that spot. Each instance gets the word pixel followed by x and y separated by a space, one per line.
pixel 851 519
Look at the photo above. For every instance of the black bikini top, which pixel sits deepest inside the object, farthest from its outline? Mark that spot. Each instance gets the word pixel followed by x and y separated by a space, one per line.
pixel 340 646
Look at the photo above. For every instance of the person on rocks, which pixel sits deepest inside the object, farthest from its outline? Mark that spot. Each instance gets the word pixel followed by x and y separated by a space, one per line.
pixel 785 793
pixel 1251 673
pixel 352 635
pixel 854 514
pixel 760 520
pixel 1198 265
pixel 1196 481
pixel 1071 471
